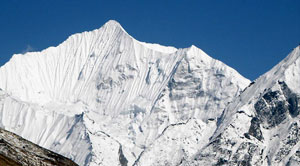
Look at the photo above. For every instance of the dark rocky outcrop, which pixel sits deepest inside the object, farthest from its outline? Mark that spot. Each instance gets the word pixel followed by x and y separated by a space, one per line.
pixel 288 143
pixel 254 129
pixel 122 158
pixel 276 109
pixel 272 110
pixel 15 151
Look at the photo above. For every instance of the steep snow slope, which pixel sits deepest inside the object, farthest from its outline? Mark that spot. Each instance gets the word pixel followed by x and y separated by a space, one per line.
pixel 189 106
pixel 46 127
pixel 261 126
pixel 104 98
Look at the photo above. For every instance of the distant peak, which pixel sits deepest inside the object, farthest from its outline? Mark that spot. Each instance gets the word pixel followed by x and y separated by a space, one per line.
pixel 292 57
pixel 112 23
pixel 194 48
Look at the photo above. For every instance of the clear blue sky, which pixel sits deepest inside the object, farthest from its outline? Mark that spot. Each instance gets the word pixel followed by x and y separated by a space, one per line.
pixel 248 35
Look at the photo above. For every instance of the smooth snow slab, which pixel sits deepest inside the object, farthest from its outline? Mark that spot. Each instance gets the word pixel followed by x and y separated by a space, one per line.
pixel 104 98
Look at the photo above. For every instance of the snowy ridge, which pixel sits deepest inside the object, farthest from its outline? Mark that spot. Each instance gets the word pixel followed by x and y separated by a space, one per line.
pixel 287 70
pixel 116 100
pixel 264 115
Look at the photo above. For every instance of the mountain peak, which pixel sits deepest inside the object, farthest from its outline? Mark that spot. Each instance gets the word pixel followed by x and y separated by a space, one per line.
pixel 193 47
pixel 104 84
pixel 113 23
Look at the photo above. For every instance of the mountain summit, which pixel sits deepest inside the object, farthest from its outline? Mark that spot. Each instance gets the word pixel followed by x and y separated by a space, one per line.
pixel 104 98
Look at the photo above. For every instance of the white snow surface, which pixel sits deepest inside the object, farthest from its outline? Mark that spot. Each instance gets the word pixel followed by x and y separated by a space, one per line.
pixel 104 98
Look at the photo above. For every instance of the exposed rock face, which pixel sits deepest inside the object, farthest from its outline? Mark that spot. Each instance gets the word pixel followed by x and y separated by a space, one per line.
pixel 15 151
pixel 274 106
pixel 254 129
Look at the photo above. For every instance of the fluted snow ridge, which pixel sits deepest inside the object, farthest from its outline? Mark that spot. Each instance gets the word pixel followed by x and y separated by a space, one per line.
pixel 118 95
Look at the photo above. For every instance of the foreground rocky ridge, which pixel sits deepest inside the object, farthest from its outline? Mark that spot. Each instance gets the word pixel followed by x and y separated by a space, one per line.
pixel 15 151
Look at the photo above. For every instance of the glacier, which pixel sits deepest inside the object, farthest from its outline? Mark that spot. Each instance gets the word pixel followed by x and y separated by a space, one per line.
pixel 105 98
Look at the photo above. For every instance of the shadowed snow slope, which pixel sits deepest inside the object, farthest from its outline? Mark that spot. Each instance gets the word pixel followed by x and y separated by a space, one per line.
pixel 104 98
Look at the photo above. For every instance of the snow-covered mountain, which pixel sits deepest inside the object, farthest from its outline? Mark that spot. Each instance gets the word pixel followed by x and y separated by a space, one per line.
pixel 104 98
pixel 261 126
